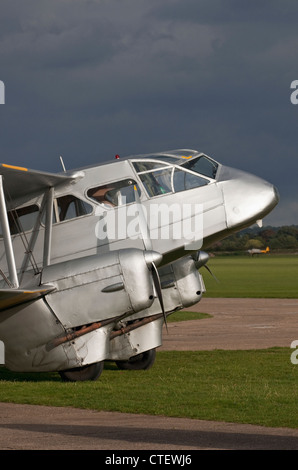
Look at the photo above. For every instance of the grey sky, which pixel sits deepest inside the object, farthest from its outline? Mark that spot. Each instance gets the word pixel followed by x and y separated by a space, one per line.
pixel 87 79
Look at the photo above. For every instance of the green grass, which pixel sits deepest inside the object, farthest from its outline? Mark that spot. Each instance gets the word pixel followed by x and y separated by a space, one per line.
pixel 267 276
pixel 258 387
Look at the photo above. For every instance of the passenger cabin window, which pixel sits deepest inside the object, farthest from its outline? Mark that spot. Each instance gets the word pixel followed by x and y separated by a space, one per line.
pixel 69 207
pixel 22 219
pixel 115 194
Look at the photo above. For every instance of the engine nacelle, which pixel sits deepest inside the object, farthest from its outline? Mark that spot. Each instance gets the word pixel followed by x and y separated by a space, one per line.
pixel 98 287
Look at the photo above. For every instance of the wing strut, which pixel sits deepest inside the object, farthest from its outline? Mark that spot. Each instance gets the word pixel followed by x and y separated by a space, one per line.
pixel 7 239
pixel 48 228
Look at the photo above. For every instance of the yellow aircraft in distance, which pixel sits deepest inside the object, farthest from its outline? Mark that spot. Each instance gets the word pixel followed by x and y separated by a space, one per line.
pixel 257 251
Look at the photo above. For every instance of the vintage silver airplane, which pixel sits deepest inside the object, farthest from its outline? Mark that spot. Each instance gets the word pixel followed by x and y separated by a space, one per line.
pixel 94 260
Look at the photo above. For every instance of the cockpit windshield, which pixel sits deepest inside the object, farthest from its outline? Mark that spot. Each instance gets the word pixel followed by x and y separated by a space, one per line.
pixel 157 182
pixel 202 165
pixel 189 159
pixel 174 171
pixel 164 178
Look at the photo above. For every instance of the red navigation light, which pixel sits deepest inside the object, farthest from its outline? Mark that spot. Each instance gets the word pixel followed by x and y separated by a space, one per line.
pixel 117 157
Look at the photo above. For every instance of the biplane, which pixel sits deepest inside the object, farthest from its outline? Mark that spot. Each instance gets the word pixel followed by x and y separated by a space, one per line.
pixel 93 260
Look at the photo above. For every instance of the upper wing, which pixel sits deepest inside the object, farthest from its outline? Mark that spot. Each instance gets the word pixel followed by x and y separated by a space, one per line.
pixel 19 182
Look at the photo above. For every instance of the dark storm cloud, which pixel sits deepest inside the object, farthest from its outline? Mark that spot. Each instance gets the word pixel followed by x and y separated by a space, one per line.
pixel 88 79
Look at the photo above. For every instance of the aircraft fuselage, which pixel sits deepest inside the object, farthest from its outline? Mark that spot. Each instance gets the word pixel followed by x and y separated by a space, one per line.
pixel 91 239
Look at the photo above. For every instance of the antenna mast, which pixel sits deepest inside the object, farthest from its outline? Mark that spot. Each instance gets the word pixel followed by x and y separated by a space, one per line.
pixel 62 163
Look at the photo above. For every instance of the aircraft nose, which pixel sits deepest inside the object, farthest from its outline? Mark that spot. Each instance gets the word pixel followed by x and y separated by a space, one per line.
pixel 247 198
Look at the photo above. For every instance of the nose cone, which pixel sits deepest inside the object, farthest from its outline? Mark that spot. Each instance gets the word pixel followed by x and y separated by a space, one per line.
pixel 247 198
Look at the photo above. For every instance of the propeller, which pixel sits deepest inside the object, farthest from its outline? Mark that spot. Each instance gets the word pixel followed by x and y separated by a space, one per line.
pixel 149 252
pixel 201 258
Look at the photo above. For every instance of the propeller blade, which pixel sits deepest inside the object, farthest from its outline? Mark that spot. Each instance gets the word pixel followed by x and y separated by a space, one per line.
pixel 149 253
pixel 201 258
pixel 157 285
pixel 209 270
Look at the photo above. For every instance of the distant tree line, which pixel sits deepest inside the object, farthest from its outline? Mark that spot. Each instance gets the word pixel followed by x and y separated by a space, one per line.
pixel 277 238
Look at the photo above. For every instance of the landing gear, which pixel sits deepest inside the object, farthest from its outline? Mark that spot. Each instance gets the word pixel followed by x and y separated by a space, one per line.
pixel 81 374
pixel 142 361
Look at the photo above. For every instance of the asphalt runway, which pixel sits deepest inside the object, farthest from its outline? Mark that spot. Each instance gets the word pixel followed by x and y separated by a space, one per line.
pixel 235 324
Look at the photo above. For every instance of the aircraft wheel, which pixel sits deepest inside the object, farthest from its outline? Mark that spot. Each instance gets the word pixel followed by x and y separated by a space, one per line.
pixel 142 361
pixel 81 374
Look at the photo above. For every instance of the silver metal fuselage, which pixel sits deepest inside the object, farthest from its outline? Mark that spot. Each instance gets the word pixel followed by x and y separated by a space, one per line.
pixel 96 278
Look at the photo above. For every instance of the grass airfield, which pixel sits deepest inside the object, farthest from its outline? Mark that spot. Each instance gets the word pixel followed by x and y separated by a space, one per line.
pixel 258 276
pixel 256 386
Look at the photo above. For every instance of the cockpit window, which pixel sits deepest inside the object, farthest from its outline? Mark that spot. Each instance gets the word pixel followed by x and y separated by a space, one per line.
pixel 168 179
pixel 202 165
pixel 183 180
pixel 157 182
pixel 114 194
